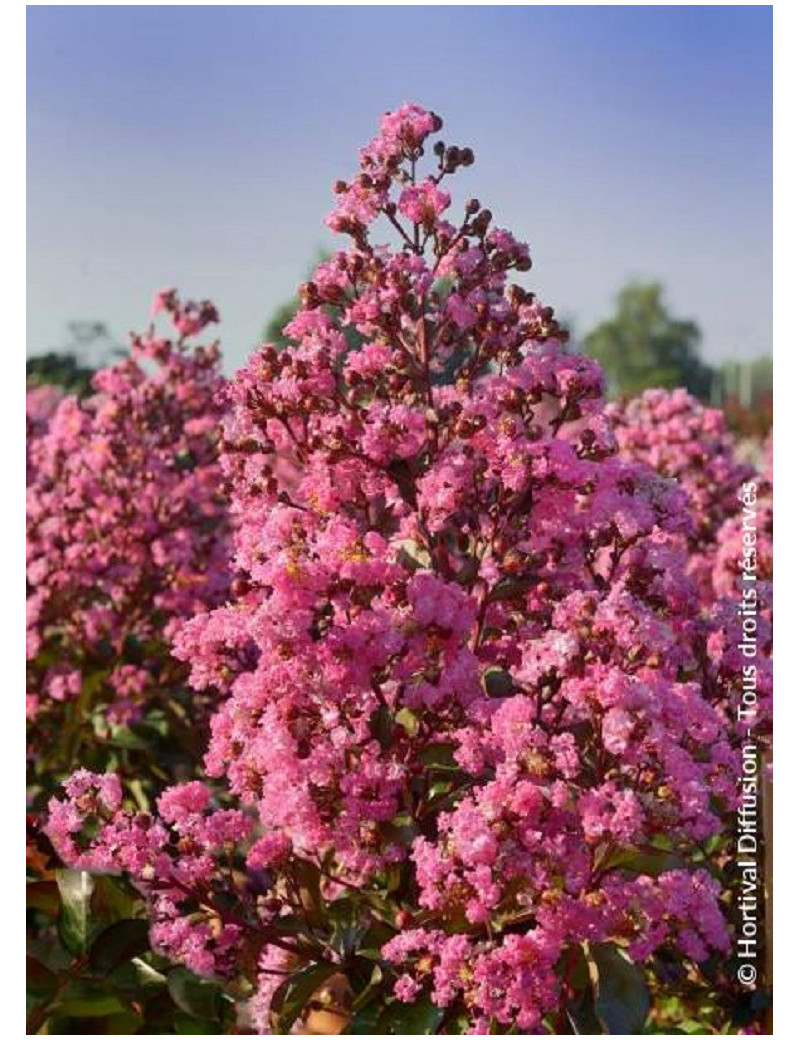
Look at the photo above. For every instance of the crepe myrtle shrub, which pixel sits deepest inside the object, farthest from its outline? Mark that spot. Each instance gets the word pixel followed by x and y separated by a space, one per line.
pixel 466 750
pixel 127 537
pixel 40 403
pixel 756 508
pixel 729 499
pixel 41 400
pixel 683 439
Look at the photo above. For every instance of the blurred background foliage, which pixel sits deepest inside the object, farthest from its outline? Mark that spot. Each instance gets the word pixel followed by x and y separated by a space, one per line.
pixel 642 344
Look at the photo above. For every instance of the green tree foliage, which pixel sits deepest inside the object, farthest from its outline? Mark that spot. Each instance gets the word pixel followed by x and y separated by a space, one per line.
pixel 643 345
pixel 743 390
pixel 280 318
pixel 64 370
pixel 65 366
pixel 272 332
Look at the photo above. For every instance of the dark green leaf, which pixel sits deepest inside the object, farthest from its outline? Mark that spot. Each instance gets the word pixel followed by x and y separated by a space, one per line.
pixel 118 943
pixel 418 1019
pixel 376 936
pixel 365 1021
pixel 134 976
pixel 412 556
pixel 93 1005
pixel 364 998
pixel 123 737
pixel 381 726
pixel 582 1016
pixel 510 588
pixel 439 756
pixel 307 877
pixel 350 922
pixel 402 830
pixel 111 901
pixel 293 995
pixel 199 998
pixel 498 683
pixel 622 1000
pixel 650 861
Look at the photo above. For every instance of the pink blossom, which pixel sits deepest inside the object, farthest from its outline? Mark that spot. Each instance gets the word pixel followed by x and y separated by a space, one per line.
pixel 468 652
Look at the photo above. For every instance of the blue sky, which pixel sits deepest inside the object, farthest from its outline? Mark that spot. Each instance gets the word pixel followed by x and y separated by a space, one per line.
pixel 196 146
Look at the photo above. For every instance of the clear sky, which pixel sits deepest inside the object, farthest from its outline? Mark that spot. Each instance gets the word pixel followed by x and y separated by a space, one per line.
pixel 196 146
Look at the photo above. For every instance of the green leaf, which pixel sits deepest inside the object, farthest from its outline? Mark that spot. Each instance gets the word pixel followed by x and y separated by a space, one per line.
pixel 139 793
pixel 135 976
pixel 648 860
pixel 418 1019
pixel 622 999
pixel 112 900
pixel 76 887
pixel 412 556
pixel 350 923
pixel 376 936
pixel 498 683
pixel 126 1023
pixel 124 737
pixel 308 879
pixel 364 998
pixel 93 1005
pixel 381 725
pixel 510 588
pixel 364 1022
pixel 118 943
pixel 185 460
pixel 582 1016
pixel 292 996
pixel 199 998
pixel 408 720
pixel 439 756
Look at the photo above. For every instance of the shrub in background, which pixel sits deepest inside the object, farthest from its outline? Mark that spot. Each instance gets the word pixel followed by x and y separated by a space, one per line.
pixel 127 538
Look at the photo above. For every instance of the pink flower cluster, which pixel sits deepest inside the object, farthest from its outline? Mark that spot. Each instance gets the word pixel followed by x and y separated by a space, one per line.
pixel 178 857
pixel 684 440
pixel 126 526
pixel 726 574
pixel 41 402
pixel 688 443
pixel 463 648
pixel 512 978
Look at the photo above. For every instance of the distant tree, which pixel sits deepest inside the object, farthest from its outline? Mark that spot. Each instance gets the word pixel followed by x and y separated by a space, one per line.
pixel 643 345
pixel 272 332
pixel 743 389
pixel 280 318
pixel 60 369
pixel 65 366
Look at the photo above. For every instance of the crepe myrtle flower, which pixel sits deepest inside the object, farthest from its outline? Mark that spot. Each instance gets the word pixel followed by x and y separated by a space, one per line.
pixel 463 678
